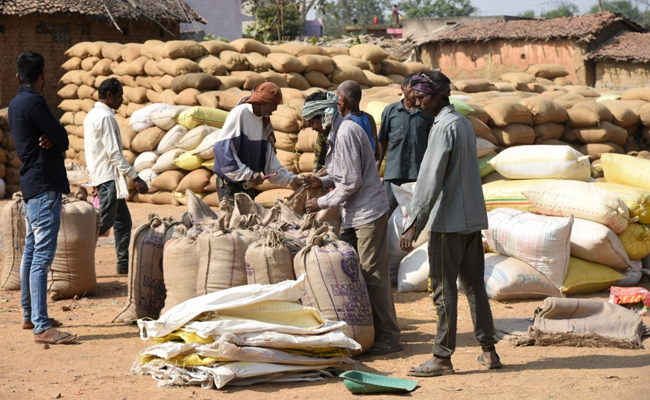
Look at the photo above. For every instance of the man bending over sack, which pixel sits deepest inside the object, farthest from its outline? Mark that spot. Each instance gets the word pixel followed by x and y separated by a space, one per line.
pixel 243 153
pixel 40 143
pixel 108 168
pixel 353 175
pixel 449 186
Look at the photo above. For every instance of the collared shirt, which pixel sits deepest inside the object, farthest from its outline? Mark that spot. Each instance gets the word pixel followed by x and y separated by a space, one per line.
pixel 103 145
pixel 352 172
pixel 322 145
pixel 43 169
pixel 243 148
pixel 449 184
pixel 407 135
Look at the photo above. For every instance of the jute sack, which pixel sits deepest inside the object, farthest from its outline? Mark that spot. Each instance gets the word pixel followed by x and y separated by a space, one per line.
pixel 180 267
pixel 179 66
pixel 344 73
pixel 88 63
pixel 72 64
pixel 209 99
pixel 507 278
pixel 320 63
pixel 268 197
pixel 317 79
pixel 234 60
pixel 229 98
pixel 136 67
pixel 296 81
pixel 606 132
pixel 644 115
pixel 13 234
pixel 548 131
pixel 245 207
pixel 389 67
pixel 187 98
pixel 506 113
pixel 289 160
pixel 595 242
pixel 168 180
pixel 258 62
pixel 307 140
pixel 346 60
pixel 480 129
pixel 72 272
pixel 307 49
pixel 195 181
pixel 285 63
pixel 250 46
pixel 215 47
pixel 594 150
pixel 198 81
pixel 182 49
pixel 582 200
pixel 212 65
pixel 472 85
pixel 286 141
pixel 251 79
pixel 637 94
pixel 376 80
pixel 368 52
pixel 588 113
pixel 548 71
pixel 146 281
pixel 514 134
pixel 68 91
pixel 542 162
pixel 516 77
pixel 545 110
pixel 270 259
pixel 274 77
pixel 542 242
pixel 147 140
pixel 334 285
pixel 622 115
pixel 222 258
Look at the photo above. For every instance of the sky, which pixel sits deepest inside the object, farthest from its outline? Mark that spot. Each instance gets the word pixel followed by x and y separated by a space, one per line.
pixel 514 7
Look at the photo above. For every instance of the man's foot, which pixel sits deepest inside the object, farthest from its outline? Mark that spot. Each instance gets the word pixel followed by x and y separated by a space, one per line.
pixel 55 324
pixel 382 348
pixel 490 359
pixel 432 367
pixel 53 336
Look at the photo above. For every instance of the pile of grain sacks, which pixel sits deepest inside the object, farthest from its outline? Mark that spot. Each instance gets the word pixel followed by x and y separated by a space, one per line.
pixel 214 75
pixel 9 161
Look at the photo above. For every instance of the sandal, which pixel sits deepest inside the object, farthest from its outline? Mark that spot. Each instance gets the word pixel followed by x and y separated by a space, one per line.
pixel 428 369
pixel 60 338
pixel 55 324
pixel 378 349
pixel 494 365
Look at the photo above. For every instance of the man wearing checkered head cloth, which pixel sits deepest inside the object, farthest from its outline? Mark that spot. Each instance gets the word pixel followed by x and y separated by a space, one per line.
pixel 448 201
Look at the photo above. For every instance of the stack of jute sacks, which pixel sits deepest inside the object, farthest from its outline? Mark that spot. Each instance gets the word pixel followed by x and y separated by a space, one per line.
pixel 214 250
pixel 213 75
pixel 9 161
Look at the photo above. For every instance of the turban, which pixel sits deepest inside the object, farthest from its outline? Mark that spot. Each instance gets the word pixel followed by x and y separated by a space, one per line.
pixel 326 108
pixel 265 93
pixel 423 84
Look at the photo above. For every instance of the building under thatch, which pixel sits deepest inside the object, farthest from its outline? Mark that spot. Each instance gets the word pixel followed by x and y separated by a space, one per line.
pixel 623 62
pixel 487 50
pixel 50 27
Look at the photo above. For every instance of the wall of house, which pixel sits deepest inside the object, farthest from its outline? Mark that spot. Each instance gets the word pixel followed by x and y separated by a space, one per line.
pixel 467 60
pixel 621 75
pixel 224 17
pixel 51 35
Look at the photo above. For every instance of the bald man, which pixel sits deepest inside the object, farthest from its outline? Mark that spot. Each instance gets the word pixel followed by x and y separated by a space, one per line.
pixel 357 189
pixel 243 152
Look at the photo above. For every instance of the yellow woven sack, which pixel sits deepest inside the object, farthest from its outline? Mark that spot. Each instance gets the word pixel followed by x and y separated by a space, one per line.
pixel 376 108
pixel 209 164
pixel 626 170
pixel 585 277
pixel 636 240
pixel 636 199
pixel 509 194
pixel 195 116
pixel 188 161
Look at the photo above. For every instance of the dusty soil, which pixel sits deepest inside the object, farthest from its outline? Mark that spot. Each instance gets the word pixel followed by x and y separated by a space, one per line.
pixel 98 367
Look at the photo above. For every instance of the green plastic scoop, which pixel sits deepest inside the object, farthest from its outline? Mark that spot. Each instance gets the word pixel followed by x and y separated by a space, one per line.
pixel 359 382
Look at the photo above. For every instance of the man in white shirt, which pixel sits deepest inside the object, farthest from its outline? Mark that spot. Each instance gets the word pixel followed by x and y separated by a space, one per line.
pixel 108 168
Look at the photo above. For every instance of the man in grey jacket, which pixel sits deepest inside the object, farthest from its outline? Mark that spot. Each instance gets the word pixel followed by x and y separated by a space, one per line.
pixel 449 187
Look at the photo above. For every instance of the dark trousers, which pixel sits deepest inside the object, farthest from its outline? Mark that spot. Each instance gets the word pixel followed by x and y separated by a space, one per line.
pixel 392 202
pixel 115 214
pixel 453 256
pixel 371 243
pixel 226 190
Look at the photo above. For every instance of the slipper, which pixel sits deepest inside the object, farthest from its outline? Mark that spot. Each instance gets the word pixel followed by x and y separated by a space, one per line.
pixel 428 369
pixel 494 365
pixel 55 324
pixel 61 338
pixel 382 349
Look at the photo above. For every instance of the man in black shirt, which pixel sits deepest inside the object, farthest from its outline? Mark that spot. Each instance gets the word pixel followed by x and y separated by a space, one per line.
pixel 40 143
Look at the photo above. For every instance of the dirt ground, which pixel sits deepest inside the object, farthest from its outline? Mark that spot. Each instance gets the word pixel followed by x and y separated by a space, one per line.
pixel 99 366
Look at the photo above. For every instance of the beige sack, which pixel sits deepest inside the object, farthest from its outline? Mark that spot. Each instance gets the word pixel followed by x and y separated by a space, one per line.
pixel 147 140
pixel 179 66
pixel 168 180
pixel 513 134
pixel 606 132
pixel 250 46
pixel 72 64
pixel 258 62
pixel 376 80
pixel 548 71
pixel 234 60
pixel 286 63
pixel 212 65
pixel 368 52
pixel 548 131
pixel 622 115
pixel 182 49
pixel 274 77
pixel 348 61
pixel 230 82
pixel 195 181
pixel 472 85
pixel 251 79
pixel 320 63
pixel 317 79
pixel 588 113
pixel 180 267
pixel 296 81
pixel 198 81
pixel 229 98
pixel 68 91
pixel 344 73
pixel 146 295
pixel 13 234
pixel 596 149
pixel 516 77
pixel 307 140
pixel 308 49
pixel 637 94
pixel 270 260
pixel 215 47
pixel 285 141
pixel 187 98
pixel 72 272
pixel 545 110
pixel 506 113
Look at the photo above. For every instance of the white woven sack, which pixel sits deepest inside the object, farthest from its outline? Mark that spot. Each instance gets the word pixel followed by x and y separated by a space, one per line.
pixel 507 278
pixel 194 137
pixel 484 147
pixel 164 117
pixel 632 275
pixel 542 162
pixel 166 161
pixel 148 175
pixel 542 242
pixel 141 119
pixel 413 274
pixel 582 200
pixel 145 160
pixel 171 139
pixel 597 243
pixel 206 149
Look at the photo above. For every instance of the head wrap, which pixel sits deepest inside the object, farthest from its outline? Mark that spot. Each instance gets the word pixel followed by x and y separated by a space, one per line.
pixel 423 84
pixel 326 108
pixel 267 92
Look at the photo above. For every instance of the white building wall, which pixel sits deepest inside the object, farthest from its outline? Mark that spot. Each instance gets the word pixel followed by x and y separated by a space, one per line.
pixel 224 17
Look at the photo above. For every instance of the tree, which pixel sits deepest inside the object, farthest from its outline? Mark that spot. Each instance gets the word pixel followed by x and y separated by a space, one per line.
pixel 343 13
pixel 625 7
pixel 288 24
pixel 562 9
pixel 527 14
pixel 437 8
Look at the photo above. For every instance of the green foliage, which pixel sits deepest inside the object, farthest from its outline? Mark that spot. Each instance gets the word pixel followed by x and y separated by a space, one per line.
pixel 562 9
pixel 627 8
pixel 527 14
pixel 282 20
pixel 210 36
pixel 437 8
pixel 342 13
